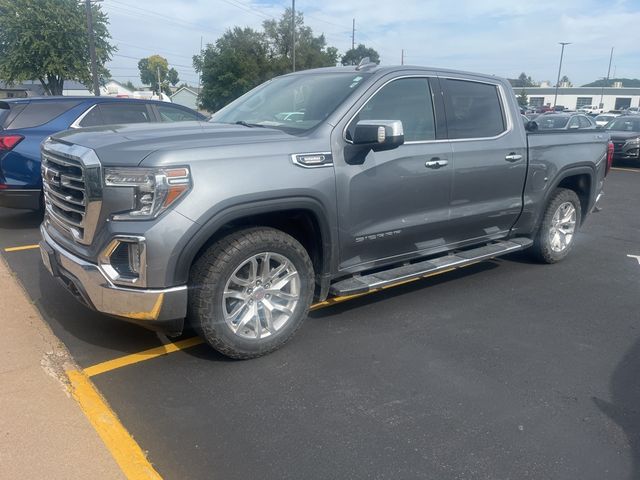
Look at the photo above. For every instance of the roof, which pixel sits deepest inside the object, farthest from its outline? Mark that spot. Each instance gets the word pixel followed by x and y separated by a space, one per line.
pixel 80 98
pixel 193 90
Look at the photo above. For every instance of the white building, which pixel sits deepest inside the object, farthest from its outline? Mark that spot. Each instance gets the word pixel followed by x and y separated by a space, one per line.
pixel 186 96
pixel 611 98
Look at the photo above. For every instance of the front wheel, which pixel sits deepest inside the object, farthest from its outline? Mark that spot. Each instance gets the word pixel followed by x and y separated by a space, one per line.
pixel 250 292
pixel 559 225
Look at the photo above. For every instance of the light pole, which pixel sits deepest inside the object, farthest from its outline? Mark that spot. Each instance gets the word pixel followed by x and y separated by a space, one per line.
pixel 555 98
pixel 606 83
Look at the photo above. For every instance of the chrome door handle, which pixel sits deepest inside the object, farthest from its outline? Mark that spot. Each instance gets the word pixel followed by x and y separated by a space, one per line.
pixel 436 163
pixel 513 157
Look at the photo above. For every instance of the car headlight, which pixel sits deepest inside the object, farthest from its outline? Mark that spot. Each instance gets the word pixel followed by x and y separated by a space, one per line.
pixel 154 190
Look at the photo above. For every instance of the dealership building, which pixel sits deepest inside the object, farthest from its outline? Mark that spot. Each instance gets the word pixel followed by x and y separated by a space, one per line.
pixel 611 98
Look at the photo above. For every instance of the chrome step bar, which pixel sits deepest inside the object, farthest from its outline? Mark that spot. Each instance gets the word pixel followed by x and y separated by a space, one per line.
pixel 427 268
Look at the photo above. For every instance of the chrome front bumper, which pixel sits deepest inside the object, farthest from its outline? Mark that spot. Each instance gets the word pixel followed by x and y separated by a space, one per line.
pixel 163 309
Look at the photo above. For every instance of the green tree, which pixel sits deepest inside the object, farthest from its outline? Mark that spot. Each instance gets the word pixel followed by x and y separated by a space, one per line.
pixel 354 55
pixel 236 63
pixel 565 80
pixel 311 51
pixel 523 101
pixel 128 84
pixel 153 66
pixel 523 80
pixel 47 40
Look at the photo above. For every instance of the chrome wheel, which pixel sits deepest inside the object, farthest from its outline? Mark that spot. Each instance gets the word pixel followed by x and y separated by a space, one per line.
pixel 563 226
pixel 261 295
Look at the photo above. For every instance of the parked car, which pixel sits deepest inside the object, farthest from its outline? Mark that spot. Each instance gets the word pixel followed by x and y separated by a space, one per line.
pixel 591 109
pixel 243 222
pixel 602 119
pixel 26 122
pixel 565 121
pixel 632 111
pixel 625 135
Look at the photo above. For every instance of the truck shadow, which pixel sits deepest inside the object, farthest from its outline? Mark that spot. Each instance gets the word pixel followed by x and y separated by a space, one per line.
pixel 19 219
pixel 624 408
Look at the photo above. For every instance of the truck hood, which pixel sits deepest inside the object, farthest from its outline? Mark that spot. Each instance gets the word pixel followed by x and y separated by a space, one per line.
pixel 129 145
pixel 615 135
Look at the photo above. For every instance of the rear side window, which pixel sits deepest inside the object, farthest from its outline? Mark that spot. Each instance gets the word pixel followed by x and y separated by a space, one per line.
pixel 585 122
pixel 406 99
pixel 35 114
pixel 173 114
pixel 474 109
pixel 116 113
pixel 92 118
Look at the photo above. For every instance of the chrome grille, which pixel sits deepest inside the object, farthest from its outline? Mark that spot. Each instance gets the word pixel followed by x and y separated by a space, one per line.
pixel 72 189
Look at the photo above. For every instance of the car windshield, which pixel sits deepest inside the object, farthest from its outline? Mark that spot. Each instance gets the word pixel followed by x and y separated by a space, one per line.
pixel 624 125
pixel 550 122
pixel 294 103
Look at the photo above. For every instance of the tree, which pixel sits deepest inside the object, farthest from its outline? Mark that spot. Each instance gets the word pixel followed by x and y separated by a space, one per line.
pixel 522 81
pixel 626 82
pixel 523 101
pixel 354 55
pixel 153 66
pixel 47 40
pixel 129 85
pixel 311 51
pixel 565 80
pixel 243 58
pixel 236 63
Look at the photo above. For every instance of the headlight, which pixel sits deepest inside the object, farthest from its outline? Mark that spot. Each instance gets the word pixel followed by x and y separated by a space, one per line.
pixel 154 190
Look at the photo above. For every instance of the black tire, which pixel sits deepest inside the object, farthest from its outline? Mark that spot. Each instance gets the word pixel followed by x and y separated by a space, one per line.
pixel 214 268
pixel 542 250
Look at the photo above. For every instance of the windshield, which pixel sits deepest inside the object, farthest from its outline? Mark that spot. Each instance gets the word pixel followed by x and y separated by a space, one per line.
pixel 295 103
pixel 624 125
pixel 603 118
pixel 550 122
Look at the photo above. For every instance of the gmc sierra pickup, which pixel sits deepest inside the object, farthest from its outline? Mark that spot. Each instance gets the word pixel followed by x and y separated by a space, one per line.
pixel 316 184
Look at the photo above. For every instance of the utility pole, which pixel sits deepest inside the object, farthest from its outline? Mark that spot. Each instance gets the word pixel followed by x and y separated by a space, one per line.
pixel 606 83
pixel 402 57
pixel 92 49
pixel 200 72
pixel 555 98
pixel 353 34
pixel 293 33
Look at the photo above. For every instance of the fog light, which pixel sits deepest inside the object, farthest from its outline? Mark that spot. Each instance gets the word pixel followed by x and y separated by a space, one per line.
pixel 124 261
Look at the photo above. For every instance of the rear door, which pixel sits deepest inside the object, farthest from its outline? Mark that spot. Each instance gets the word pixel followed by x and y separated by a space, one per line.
pixel 394 204
pixel 489 154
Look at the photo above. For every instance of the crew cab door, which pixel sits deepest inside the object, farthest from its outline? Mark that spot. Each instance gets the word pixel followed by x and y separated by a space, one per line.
pixel 393 204
pixel 489 153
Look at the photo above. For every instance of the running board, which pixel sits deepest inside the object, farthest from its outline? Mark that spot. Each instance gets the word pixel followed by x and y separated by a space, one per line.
pixel 427 268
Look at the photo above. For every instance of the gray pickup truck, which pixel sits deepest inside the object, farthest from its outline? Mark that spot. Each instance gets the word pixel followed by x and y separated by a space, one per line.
pixel 318 184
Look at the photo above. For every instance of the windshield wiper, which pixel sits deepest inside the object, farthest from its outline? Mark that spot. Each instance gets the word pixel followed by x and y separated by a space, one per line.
pixel 247 124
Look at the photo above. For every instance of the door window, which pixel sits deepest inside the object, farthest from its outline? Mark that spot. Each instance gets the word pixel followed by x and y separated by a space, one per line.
pixel 474 109
pixel 408 100
pixel 585 122
pixel 574 122
pixel 172 114
pixel 116 113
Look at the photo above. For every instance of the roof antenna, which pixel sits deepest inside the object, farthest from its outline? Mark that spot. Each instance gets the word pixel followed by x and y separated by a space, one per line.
pixel 364 63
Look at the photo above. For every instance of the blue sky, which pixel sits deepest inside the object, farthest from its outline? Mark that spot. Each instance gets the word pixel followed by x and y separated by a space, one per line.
pixel 502 37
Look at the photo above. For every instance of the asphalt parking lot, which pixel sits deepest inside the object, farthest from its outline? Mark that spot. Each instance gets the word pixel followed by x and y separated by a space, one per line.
pixel 504 370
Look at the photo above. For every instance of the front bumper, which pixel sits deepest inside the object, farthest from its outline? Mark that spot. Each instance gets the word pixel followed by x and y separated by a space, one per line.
pixel 28 199
pixel 157 309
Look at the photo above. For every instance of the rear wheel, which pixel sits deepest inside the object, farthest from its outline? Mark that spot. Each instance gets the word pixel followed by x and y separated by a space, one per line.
pixel 559 225
pixel 250 292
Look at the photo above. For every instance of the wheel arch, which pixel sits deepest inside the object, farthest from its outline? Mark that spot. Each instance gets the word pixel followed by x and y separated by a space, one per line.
pixel 580 179
pixel 303 218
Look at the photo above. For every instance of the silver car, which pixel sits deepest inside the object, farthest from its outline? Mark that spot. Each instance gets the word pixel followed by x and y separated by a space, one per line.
pixel 565 121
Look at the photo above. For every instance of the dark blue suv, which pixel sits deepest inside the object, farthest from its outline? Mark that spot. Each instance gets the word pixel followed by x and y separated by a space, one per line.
pixel 26 122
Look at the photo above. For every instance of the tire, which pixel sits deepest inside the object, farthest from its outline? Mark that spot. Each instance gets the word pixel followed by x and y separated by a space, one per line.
pixel 239 308
pixel 560 223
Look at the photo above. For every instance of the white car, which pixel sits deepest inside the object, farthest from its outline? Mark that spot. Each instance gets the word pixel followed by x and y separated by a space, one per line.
pixel 603 119
pixel 591 109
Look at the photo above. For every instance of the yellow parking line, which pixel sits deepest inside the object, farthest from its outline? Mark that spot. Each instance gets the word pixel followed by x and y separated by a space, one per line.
pixel 124 449
pixel 625 169
pixel 142 356
pixel 24 247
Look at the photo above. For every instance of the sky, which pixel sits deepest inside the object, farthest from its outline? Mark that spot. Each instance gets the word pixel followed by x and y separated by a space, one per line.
pixel 500 37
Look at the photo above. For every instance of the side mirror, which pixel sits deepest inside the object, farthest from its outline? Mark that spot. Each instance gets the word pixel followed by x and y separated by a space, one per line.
pixel 531 126
pixel 378 134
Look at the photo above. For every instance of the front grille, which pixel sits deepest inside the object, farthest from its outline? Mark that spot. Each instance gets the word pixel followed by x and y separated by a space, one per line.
pixel 64 191
pixel 72 188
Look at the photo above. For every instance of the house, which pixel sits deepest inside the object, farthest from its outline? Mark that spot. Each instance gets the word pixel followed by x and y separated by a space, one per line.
pixel 187 97
pixel 30 88
pixel 115 89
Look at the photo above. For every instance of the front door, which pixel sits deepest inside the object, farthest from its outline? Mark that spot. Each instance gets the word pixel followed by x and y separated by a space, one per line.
pixel 393 205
